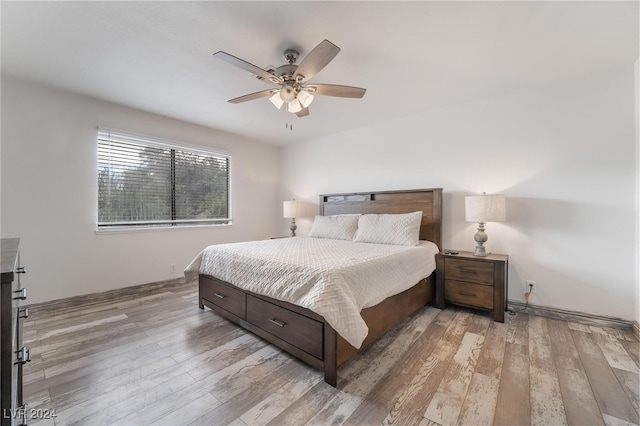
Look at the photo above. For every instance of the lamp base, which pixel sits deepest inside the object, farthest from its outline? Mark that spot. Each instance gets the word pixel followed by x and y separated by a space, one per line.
pixel 480 252
pixel 293 227
pixel 480 238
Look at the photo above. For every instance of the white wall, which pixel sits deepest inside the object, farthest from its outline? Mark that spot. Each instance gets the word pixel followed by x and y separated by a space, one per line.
pixel 49 193
pixel 564 156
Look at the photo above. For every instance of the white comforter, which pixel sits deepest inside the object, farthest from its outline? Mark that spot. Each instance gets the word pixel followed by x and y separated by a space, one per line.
pixel 333 278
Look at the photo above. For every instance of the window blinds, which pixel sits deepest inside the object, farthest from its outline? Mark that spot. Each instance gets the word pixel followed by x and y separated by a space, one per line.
pixel 148 183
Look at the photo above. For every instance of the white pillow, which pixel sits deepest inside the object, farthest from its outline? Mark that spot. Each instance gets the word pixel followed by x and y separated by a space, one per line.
pixel 338 227
pixel 396 229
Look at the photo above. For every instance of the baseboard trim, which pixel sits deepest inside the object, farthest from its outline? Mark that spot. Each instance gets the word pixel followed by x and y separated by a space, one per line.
pixel 512 305
pixel 574 316
pixel 147 288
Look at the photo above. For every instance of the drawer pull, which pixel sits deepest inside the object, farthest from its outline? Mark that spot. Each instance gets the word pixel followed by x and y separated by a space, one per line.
pixel 22 294
pixel 466 293
pixel 21 270
pixel 24 313
pixel 277 322
pixel 219 296
pixel 24 355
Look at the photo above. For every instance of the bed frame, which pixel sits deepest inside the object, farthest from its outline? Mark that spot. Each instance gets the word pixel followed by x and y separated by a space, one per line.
pixel 305 334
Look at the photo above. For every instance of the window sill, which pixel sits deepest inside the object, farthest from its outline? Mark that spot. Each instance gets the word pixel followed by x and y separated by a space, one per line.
pixel 134 230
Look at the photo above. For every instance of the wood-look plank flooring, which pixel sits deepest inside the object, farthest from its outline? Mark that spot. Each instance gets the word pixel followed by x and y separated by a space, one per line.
pixel 149 356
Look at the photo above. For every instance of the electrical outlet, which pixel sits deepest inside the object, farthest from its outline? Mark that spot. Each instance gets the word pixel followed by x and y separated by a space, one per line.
pixel 172 268
pixel 530 286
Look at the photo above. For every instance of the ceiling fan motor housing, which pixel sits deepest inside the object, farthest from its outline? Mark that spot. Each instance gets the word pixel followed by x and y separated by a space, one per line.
pixel 291 55
pixel 286 71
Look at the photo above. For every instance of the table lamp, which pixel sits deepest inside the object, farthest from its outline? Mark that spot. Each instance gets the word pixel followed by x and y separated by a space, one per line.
pixel 291 210
pixel 482 209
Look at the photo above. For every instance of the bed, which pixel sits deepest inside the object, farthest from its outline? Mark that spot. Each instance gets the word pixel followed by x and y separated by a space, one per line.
pixel 303 332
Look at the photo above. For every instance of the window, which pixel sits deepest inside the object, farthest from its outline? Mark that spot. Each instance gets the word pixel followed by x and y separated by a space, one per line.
pixel 148 183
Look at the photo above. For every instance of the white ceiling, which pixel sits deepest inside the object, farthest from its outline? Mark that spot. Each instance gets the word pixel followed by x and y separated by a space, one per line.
pixel 411 56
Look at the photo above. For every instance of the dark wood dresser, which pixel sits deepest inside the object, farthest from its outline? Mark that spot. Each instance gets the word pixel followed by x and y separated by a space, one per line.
pixel 476 282
pixel 12 354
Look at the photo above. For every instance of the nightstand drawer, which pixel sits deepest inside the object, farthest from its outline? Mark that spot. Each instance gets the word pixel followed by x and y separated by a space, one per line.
pixel 470 271
pixel 473 295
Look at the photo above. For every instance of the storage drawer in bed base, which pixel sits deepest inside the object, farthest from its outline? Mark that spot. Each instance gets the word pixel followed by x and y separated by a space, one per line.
pixel 271 338
pixel 333 350
pixel 299 330
pixel 223 295
pixel 293 328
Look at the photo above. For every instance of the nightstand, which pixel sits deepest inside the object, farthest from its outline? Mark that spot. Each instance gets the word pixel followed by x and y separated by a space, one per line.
pixel 476 282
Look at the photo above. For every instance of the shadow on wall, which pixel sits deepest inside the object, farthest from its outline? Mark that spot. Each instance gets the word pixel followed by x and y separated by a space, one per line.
pixel 563 291
pixel 527 214
pixel 588 220
pixel 564 247
pixel 309 210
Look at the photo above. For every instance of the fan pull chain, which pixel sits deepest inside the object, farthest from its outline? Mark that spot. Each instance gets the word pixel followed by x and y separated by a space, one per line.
pixel 288 125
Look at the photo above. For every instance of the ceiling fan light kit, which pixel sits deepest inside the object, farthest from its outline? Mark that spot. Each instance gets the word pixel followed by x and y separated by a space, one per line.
pixel 305 98
pixel 294 106
pixel 293 79
pixel 296 99
pixel 287 93
pixel 276 100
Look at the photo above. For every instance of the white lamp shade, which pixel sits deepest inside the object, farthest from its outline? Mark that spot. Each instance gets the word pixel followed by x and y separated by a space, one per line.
pixel 291 209
pixel 276 100
pixel 485 208
pixel 305 98
pixel 294 106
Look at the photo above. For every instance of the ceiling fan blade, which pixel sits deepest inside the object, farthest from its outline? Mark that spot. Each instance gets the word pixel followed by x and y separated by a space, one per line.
pixel 337 90
pixel 247 67
pixel 317 59
pixel 303 112
pixel 252 96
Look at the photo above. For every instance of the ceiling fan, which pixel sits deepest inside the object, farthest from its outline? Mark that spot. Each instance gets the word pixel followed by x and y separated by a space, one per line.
pixel 293 80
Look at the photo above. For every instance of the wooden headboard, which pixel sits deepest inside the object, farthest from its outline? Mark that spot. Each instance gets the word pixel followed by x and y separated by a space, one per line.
pixel 405 201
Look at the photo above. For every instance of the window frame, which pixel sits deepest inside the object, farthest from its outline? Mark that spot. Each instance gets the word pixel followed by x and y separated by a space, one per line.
pixel 161 225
